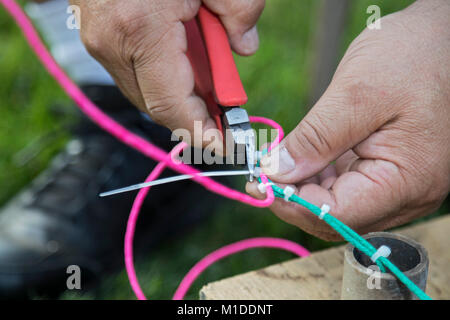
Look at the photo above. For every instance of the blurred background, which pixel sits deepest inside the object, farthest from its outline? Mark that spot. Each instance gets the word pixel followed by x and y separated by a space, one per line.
pixel 301 42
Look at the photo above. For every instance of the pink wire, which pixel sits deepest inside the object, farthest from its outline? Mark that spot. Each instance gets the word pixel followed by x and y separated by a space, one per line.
pixel 129 234
pixel 131 224
pixel 111 126
pixel 273 124
pixel 231 249
pixel 211 258
pixel 164 159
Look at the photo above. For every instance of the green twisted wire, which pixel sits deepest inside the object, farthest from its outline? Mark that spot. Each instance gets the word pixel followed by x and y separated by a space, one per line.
pixel 355 239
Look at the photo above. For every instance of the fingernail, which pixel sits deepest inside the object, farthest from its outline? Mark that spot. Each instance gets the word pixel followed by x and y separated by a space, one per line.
pixel 250 40
pixel 278 162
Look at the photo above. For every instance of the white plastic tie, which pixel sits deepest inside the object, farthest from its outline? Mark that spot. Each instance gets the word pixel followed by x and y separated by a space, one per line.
pixel 258 155
pixel 257 172
pixel 323 211
pixel 288 192
pixel 383 251
pixel 262 187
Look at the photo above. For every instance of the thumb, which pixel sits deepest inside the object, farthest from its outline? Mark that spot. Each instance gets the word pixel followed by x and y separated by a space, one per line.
pixel 239 19
pixel 340 120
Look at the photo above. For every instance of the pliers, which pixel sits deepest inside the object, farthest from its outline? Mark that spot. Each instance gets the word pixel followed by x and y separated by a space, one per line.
pixel 218 82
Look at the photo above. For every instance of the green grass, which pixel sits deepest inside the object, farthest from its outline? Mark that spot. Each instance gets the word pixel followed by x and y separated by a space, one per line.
pixel 26 91
pixel 277 80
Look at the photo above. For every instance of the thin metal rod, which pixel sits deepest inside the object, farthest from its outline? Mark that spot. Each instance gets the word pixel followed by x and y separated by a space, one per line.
pixel 174 179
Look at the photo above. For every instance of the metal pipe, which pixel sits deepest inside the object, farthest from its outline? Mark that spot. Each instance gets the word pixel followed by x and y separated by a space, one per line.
pixel 362 279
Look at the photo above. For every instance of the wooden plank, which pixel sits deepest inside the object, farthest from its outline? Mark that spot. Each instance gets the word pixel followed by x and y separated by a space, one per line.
pixel 320 275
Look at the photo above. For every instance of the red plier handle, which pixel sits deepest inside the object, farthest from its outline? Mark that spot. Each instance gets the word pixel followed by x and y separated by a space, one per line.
pixel 217 79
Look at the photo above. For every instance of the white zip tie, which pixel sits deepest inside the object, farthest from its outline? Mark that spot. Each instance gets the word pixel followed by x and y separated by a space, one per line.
pixel 288 192
pixel 383 251
pixel 174 179
pixel 323 211
pixel 257 172
pixel 258 155
pixel 262 187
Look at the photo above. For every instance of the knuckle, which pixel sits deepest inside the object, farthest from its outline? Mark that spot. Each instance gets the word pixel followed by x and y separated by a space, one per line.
pixel 250 10
pixel 141 39
pixel 253 5
pixel 259 5
pixel 128 23
pixel 246 7
pixel 192 6
pixel 138 27
pixel 363 101
pixel 426 187
pixel 130 29
pixel 357 93
pixel 163 110
pixel 438 192
pixel 311 136
pixel 239 8
pixel 120 32
pixel 94 43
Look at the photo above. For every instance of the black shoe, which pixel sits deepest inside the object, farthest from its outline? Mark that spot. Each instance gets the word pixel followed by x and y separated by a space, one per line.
pixel 60 220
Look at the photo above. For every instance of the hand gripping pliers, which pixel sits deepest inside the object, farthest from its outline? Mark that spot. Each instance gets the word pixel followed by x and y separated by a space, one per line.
pixel 217 81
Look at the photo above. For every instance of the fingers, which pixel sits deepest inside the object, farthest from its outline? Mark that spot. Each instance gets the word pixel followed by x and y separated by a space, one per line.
pixel 143 45
pixel 335 124
pixel 367 197
pixel 239 18
pixel 383 124
pixel 299 216
pixel 166 81
pixel 328 177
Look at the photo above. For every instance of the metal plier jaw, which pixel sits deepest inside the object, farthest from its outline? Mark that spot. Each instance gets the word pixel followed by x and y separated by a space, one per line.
pixel 236 122
pixel 218 82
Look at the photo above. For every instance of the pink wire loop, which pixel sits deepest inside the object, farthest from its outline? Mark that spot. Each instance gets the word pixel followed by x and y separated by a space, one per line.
pixel 164 159
pixel 111 126
pixel 132 220
pixel 231 249
pixel 273 124
pixel 211 258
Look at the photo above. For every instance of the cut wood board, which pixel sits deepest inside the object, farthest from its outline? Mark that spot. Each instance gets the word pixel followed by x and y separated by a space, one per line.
pixel 319 276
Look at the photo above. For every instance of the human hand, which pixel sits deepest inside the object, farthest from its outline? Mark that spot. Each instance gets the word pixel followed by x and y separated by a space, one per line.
pixel 143 46
pixel 384 120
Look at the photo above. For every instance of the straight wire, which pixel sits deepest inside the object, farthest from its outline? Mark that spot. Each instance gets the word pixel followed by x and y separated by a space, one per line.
pixel 174 179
